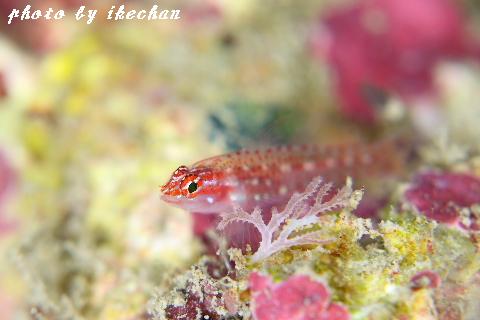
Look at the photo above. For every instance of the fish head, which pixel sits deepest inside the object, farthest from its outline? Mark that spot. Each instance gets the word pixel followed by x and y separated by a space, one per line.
pixel 196 189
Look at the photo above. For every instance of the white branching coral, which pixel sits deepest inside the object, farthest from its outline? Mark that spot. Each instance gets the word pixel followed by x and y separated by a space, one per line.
pixel 303 210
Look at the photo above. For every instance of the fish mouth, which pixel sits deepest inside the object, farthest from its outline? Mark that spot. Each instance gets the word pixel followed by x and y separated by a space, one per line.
pixel 192 205
pixel 170 199
pixel 180 202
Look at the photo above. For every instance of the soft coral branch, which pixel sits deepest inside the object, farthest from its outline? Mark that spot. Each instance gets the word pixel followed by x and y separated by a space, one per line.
pixel 284 228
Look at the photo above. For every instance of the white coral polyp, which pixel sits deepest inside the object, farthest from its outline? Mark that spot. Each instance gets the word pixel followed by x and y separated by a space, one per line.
pixel 298 214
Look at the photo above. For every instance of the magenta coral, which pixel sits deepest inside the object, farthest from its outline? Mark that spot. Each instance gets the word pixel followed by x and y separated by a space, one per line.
pixel 442 196
pixel 378 47
pixel 297 298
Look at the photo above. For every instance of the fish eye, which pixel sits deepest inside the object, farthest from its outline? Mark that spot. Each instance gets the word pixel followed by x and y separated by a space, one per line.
pixel 192 187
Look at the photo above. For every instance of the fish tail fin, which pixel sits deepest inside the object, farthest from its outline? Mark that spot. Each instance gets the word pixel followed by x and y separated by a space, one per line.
pixel 395 155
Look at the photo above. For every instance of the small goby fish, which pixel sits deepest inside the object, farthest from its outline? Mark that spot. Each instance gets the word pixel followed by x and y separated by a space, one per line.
pixel 268 177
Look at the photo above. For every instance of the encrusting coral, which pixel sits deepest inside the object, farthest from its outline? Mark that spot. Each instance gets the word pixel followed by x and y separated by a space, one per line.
pixel 209 290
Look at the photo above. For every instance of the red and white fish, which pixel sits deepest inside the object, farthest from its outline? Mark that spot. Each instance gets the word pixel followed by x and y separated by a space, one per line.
pixel 268 177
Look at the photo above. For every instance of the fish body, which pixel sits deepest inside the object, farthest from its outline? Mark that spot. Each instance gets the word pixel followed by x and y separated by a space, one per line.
pixel 268 177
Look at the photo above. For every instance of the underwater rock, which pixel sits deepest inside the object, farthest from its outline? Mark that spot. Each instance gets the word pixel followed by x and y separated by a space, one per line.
pixel 197 295
pixel 194 308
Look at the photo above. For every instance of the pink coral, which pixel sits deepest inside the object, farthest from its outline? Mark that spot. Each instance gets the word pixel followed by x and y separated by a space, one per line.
pixel 297 298
pixel 379 47
pixel 441 196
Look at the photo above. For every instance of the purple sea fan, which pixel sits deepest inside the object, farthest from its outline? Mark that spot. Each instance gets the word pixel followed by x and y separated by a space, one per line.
pixel 446 198
pixel 297 298
pixel 284 229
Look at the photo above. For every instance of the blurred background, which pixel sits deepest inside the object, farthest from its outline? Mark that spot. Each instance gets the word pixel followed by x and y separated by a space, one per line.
pixel 93 118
